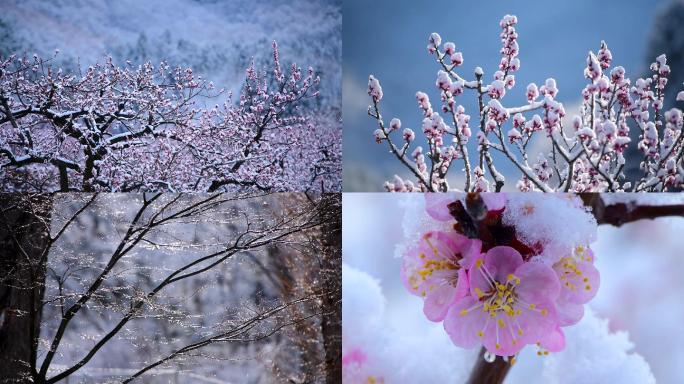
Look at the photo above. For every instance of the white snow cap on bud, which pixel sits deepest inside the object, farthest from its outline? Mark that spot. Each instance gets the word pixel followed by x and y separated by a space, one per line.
pixel 680 96
pixel 443 81
pixel 532 92
pixel 497 89
pixel 449 48
pixel 409 135
pixel 515 64
pixel 457 87
pixel 508 20
pixel 379 135
pixel 518 120
pixel 593 70
pixel 433 42
pixel 395 124
pixel 457 59
pixel 374 88
pixel 602 84
pixel 576 122
pixel 514 134
pixel 604 55
pixel 478 71
pixel 586 133
pixel 549 88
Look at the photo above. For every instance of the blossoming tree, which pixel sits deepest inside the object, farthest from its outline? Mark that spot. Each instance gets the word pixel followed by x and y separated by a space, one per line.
pixel 586 156
pixel 145 128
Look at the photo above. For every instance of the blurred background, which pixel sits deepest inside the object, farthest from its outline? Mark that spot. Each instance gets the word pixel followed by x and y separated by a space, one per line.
pixel 639 298
pixel 216 38
pixel 388 39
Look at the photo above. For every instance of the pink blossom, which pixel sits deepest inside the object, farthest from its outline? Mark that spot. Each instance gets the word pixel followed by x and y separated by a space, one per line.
pixel 433 42
pixel 511 304
pixel 374 88
pixel 408 135
pixel 532 92
pixel 457 59
pixel 579 281
pixel 434 270
pixel 514 134
pixel 357 368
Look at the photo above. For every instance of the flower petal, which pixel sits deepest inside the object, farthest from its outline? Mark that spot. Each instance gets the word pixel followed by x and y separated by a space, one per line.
pixel 478 280
pixel 436 204
pixel 438 301
pixel 553 341
pixel 569 313
pixel 501 337
pixel 538 282
pixel 502 261
pixel 464 321
pixel 579 283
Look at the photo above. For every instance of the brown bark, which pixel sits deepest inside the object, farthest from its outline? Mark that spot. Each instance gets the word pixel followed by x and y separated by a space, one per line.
pixel 331 324
pixel 623 213
pixel 24 236
pixel 489 373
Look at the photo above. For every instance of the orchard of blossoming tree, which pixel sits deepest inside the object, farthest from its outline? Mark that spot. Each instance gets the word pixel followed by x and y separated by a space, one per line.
pixel 585 154
pixel 146 128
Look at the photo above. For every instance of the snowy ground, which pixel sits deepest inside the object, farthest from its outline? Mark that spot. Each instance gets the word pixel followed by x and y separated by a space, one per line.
pixel 629 335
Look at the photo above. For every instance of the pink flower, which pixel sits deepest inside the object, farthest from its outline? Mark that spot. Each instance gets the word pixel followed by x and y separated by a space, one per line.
pixel 355 356
pixel 511 304
pixel 434 270
pixel 356 368
pixel 579 281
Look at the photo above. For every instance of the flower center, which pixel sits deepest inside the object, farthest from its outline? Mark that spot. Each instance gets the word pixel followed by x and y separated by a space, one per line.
pixel 502 304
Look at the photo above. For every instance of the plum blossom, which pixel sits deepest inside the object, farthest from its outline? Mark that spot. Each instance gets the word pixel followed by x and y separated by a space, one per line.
pixel 435 271
pixel 511 304
pixel 148 128
pixel 592 158
pixel 374 88
pixel 579 282
pixel 516 281
pixel 357 369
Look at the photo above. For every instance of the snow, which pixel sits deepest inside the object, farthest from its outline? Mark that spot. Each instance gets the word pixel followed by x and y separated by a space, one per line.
pixel 218 39
pixel 594 355
pixel 559 221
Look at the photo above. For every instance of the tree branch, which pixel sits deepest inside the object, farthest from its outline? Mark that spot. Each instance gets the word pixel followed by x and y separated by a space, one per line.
pixel 623 213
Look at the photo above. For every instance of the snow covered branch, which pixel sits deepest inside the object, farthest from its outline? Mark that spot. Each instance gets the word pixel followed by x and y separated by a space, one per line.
pixel 587 156
pixel 115 267
pixel 146 128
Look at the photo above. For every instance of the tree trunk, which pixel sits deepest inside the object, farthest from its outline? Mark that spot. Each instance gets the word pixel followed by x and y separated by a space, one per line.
pixel 24 236
pixel 331 323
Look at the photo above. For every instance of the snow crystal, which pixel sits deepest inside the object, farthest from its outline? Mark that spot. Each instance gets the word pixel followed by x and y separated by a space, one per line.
pixel 643 199
pixel 560 222
pixel 366 327
pixel 594 355
pixel 364 291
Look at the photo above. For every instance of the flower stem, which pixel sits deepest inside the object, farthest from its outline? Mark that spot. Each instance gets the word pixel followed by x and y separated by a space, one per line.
pixel 489 373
